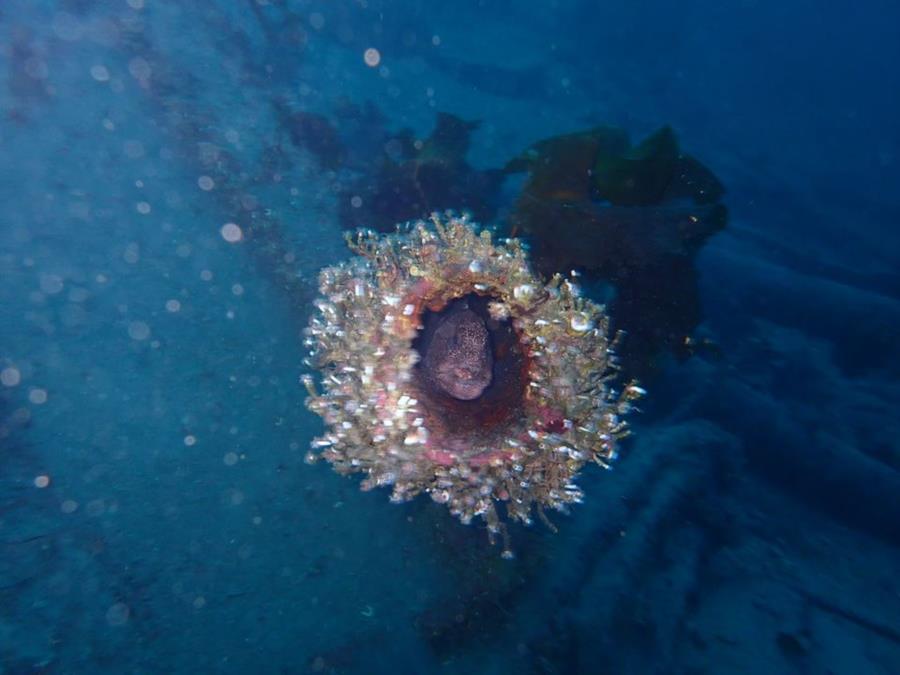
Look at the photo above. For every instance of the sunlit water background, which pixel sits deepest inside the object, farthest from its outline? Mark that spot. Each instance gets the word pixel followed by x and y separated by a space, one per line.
pixel 156 514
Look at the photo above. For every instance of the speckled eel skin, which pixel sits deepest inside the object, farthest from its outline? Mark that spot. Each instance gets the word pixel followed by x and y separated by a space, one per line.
pixel 458 359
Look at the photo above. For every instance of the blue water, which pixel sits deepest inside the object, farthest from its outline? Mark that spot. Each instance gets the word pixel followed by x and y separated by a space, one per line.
pixel 156 513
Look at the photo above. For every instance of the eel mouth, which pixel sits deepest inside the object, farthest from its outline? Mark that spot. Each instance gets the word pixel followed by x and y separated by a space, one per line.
pixel 472 412
pixel 463 383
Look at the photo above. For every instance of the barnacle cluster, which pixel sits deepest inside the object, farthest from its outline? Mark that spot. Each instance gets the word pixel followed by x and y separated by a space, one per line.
pixel 549 409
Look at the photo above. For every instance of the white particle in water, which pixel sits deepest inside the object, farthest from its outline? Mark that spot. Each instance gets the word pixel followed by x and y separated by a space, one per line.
pixel 190 440
pixel 51 284
pixel 138 330
pixel 231 233
pixel 42 481
pixel 10 376
pixel 143 208
pixel 372 57
pixel 69 506
pixel 230 458
pixel 38 396
pixel 206 275
pixel 139 69
pixel 237 289
pixel 206 183
pixel 67 27
pixel 132 254
pixel 100 73
pixel 173 305
pixel 356 201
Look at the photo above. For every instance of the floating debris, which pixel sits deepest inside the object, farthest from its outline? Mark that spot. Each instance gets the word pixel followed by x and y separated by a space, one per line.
pixel 548 408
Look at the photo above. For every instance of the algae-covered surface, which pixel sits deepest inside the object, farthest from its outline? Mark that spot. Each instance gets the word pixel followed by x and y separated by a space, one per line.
pixel 175 175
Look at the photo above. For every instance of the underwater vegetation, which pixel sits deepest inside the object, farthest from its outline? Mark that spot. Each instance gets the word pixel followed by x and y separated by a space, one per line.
pixel 631 216
pixel 512 426
pixel 393 177
pixel 314 133
pixel 411 178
